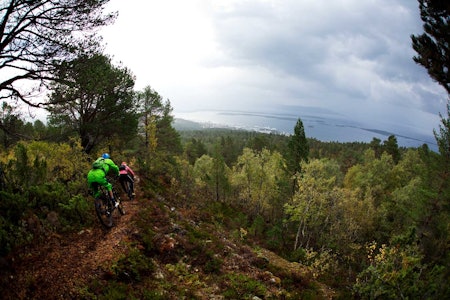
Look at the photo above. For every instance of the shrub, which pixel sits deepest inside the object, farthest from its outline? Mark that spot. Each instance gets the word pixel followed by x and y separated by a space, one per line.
pixel 12 230
pixel 393 273
pixel 133 266
pixel 243 287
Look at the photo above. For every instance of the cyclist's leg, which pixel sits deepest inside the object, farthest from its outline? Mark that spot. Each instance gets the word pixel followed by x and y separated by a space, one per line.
pixel 94 179
pixel 108 186
pixel 95 190
pixel 131 185
pixel 130 182
pixel 111 195
pixel 122 179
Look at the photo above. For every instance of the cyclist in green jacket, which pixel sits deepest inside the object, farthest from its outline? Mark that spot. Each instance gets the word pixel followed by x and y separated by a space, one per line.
pixel 97 176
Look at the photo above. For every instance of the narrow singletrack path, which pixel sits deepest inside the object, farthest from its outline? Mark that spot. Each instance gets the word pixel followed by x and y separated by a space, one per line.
pixel 60 265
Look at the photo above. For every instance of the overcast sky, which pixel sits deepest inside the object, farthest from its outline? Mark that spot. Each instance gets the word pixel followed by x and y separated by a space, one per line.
pixel 352 57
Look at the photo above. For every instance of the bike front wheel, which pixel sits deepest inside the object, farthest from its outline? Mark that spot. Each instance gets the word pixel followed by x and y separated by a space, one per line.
pixel 117 197
pixel 104 212
pixel 121 209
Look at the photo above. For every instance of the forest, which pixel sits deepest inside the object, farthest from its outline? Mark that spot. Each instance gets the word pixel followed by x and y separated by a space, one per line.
pixel 368 220
pixel 371 219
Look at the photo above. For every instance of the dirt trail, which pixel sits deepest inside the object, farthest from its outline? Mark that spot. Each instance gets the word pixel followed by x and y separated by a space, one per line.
pixel 56 268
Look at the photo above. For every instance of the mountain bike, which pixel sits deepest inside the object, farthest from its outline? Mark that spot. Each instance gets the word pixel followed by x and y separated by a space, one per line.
pixel 105 209
pixel 126 186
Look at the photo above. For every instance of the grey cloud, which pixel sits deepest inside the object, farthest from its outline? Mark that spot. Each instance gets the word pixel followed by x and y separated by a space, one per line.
pixel 352 57
pixel 349 52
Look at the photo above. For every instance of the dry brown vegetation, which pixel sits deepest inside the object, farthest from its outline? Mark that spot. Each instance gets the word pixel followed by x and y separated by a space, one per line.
pixel 155 252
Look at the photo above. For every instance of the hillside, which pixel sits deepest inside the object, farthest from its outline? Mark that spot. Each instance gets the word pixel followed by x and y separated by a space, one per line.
pixel 157 251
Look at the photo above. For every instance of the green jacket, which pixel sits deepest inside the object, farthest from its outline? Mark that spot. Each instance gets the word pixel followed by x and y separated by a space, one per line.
pixel 108 165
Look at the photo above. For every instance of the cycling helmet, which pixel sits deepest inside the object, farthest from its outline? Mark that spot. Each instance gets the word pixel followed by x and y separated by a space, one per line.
pixel 105 155
pixel 124 163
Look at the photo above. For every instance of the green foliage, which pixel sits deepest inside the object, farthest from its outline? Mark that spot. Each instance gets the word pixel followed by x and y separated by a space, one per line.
pixel 114 291
pixel 347 196
pixel 243 287
pixel 45 184
pixel 298 148
pixel 12 230
pixel 194 149
pixel 346 154
pixel 432 45
pixel 321 263
pixel 443 137
pixel 182 185
pixel 232 142
pixel 151 109
pixel 47 195
pixel 77 209
pixel 21 174
pixel 93 99
pixel 10 125
pixel 258 226
pixel 372 177
pixel 39 162
pixel 355 193
pixel 239 220
pixel 157 130
pixel 274 237
pixel 168 138
pixel 297 255
pixel 160 143
pixel 256 177
pixel 225 214
pixel 391 147
pixel 394 273
pixel 213 264
pixel 147 239
pixel 185 276
pixel 134 266
pixel 314 204
pixel 212 176
pixel 229 150
pixel 153 295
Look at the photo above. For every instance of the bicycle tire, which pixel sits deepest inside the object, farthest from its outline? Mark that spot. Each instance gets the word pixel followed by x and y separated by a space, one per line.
pixel 128 190
pixel 103 211
pixel 121 209
pixel 117 197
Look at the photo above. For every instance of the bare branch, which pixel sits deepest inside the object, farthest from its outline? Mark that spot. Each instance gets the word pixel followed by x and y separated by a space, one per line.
pixel 36 36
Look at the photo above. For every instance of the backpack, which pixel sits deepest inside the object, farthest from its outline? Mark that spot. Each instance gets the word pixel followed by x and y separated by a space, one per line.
pixel 98 164
pixel 122 167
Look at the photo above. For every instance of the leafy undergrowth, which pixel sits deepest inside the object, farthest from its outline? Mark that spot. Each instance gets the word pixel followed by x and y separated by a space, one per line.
pixel 157 251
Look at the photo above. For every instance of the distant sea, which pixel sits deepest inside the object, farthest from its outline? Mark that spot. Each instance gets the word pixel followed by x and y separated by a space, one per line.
pixel 317 124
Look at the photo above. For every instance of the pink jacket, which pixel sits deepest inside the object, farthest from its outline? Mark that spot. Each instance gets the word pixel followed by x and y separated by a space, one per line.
pixel 127 171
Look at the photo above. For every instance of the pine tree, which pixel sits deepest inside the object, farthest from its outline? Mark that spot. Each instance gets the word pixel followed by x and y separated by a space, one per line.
pixel 432 46
pixel 93 98
pixel 298 148
pixel 391 147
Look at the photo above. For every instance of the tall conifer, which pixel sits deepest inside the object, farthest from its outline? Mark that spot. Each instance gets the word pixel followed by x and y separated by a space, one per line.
pixel 298 147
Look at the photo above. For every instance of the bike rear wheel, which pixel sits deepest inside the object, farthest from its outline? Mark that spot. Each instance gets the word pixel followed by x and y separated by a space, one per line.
pixel 128 192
